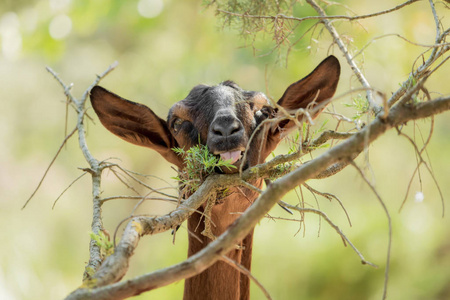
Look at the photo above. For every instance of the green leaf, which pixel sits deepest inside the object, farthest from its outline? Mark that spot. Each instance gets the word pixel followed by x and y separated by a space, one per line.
pixel 199 164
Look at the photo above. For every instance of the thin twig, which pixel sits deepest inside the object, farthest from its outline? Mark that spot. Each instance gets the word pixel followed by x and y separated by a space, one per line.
pixel 436 20
pixel 401 37
pixel 70 185
pixel 97 81
pixel 335 227
pixel 422 70
pixel 422 161
pixel 284 219
pixel 318 208
pixel 49 166
pixel 136 206
pixel 124 182
pixel 246 272
pixel 134 178
pixel 151 176
pixel 66 88
pixel 361 78
pixel 337 17
pixel 330 197
pixel 388 216
pixel 250 186
pixel 137 198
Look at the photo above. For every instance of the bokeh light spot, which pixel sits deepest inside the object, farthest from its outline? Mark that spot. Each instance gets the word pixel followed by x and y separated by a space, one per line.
pixel 60 27
pixel 11 39
pixel 59 5
pixel 419 197
pixel 150 8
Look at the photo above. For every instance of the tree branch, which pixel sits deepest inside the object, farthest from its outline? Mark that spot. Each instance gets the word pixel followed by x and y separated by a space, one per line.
pixel 224 243
pixel 336 17
pixel 361 78
pixel 95 258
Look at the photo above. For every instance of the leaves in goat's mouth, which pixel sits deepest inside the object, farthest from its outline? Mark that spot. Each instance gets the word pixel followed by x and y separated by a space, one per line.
pixel 200 163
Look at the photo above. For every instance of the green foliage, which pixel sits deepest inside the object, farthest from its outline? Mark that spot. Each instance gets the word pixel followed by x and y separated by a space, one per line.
pixel 295 140
pixel 306 137
pixel 360 105
pixel 256 29
pixel 199 164
pixel 103 242
pixel 254 7
pixel 312 134
pixel 303 136
pixel 408 84
pixel 264 26
pixel 412 81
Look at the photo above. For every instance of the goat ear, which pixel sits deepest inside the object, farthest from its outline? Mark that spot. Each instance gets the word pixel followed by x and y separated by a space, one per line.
pixel 312 90
pixel 134 122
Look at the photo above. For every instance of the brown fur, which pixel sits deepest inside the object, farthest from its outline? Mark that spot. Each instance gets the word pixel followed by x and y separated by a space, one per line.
pixel 221 278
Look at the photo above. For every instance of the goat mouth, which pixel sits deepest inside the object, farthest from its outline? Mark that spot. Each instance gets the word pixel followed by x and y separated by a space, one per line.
pixel 231 156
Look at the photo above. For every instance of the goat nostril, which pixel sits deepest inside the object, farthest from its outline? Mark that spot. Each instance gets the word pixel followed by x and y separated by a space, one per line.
pixel 235 127
pixel 235 130
pixel 217 132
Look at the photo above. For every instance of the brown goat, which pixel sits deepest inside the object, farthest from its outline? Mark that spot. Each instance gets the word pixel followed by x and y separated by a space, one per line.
pixel 223 118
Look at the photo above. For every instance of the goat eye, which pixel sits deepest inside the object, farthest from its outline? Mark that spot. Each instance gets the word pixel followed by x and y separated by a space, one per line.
pixel 177 124
pixel 264 113
pixel 267 111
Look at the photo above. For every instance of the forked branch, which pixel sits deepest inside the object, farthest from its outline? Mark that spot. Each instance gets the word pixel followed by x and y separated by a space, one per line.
pixel 95 167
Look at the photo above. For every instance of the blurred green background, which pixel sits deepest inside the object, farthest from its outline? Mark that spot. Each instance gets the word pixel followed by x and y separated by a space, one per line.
pixel 164 48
